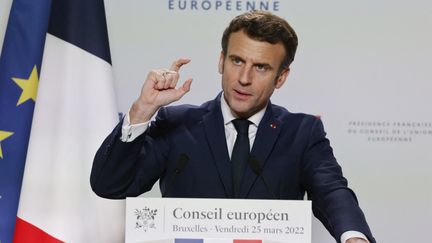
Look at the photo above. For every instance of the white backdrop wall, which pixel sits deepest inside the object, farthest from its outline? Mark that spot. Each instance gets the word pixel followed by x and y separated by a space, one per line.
pixel 363 66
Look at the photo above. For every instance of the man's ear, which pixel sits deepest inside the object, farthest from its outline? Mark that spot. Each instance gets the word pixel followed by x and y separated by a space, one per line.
pixel 221 62
pixel 280 80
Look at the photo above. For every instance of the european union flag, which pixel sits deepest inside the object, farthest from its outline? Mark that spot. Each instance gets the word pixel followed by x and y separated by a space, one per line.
pixel 20 63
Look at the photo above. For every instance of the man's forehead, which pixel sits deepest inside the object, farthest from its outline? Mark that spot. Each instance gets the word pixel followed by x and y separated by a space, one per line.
pixel 245 47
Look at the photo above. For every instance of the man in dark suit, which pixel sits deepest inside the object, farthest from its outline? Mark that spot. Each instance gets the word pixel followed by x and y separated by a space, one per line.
pixel 238 145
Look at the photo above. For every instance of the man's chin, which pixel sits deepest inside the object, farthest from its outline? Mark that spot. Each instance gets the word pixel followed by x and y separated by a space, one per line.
pixel 241 112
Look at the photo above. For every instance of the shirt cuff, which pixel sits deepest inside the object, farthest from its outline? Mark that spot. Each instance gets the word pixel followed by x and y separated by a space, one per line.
pixel 130 132
pixel 352 234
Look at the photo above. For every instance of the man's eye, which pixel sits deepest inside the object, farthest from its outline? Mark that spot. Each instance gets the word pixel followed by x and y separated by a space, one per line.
pixel 261 68
pixel 236 61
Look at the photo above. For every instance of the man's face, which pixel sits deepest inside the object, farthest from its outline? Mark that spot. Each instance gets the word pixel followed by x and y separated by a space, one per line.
pixel 250 73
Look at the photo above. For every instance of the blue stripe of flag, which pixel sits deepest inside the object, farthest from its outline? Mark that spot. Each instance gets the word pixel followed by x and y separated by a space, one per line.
pixel 22 50
pixel 68 18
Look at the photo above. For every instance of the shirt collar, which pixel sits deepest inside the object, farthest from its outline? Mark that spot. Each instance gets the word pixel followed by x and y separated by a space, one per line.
pixel 228 116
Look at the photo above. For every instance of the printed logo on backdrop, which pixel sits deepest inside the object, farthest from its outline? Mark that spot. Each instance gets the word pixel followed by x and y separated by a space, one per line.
pixel 390 131
pixel 223 5
pixel 145 218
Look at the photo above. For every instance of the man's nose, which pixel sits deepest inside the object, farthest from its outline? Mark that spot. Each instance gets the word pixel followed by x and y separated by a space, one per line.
pixel 245 75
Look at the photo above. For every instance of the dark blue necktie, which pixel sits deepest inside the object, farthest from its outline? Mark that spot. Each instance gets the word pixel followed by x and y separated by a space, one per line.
pixel 240 153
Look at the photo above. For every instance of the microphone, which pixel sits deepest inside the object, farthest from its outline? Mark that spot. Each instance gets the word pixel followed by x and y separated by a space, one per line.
pixel 181 164
pixel 254 164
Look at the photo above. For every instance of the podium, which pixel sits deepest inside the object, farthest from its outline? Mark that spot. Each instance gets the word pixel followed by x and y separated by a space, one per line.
pixel 181 220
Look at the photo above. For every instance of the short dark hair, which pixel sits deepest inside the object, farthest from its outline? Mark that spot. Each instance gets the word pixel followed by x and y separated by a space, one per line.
pixel 264 26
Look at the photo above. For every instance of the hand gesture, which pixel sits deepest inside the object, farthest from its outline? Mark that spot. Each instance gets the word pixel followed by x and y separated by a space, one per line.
pixel 159 89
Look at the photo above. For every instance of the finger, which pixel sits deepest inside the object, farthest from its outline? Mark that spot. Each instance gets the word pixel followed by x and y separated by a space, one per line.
pixel 180 92
pixel 171 78
pixel 186 85
pixel 175 78
pixel 159 80
pixel 164 78
pixel 179 63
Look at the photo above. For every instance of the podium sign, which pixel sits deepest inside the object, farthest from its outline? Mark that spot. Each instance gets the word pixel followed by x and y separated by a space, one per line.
pixel 159 219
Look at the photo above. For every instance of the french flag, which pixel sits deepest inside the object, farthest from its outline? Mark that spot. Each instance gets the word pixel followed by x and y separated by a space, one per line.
pixel 74 109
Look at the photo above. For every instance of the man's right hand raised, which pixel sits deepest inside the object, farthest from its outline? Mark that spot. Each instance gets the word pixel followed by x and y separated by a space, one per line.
pixel 159 89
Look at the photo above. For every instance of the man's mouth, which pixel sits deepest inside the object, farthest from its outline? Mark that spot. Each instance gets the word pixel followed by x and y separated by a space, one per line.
pixel 242 94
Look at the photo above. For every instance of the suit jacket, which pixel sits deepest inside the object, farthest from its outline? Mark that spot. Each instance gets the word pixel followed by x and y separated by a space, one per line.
pixel 294 154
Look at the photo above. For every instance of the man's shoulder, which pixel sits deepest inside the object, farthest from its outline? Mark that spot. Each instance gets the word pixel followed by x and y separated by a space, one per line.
pixel 283 114
pixel 297 122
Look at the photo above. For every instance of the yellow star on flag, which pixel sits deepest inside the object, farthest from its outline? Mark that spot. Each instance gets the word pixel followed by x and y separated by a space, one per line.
pixel 29 86
pixel 3 136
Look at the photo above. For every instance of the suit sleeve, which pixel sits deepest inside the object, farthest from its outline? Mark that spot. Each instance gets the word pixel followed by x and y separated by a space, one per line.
pixel 127 169
pixel 333 203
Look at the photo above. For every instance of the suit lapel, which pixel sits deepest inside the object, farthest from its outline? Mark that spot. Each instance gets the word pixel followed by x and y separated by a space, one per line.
pixel 215 133
pixel 267 134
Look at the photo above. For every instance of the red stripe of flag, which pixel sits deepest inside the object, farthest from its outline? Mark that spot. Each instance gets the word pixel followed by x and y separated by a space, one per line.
pixel 26 232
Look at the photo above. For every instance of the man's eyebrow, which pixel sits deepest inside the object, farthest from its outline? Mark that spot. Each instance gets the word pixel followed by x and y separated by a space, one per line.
pixel 232 56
